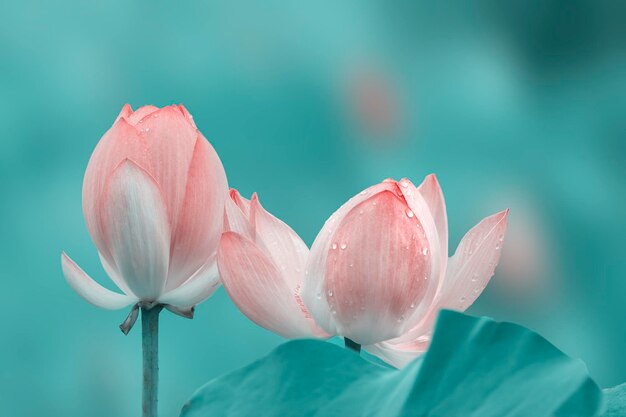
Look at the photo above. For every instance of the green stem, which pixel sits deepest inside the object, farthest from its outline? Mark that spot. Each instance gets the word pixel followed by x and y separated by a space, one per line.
pixel 150 345
pixel 352 345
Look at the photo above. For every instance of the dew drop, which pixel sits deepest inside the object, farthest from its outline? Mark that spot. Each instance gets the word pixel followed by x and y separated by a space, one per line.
pixel 462 299
pixel 474 277
pixel 360 212
pixel 343 246
pixel 156 114
pixel 334 246
pixel 330 293
pixel 412 305
pixel 147 129
pixel 351 265
pixel 319 296
pixel 501 238
pixel 363 192
pixel 476 290
pixel 410 214
pixel 373 203
pixel 424 251
pixel 497 246
pixel 400 319
pixel 404 184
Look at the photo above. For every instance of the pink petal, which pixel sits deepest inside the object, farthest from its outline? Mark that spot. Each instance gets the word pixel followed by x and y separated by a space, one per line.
pixel 438 259
pixel 281 243
pixel 433 196
pixel 256 286
pixel 196 289
pixel 140 113
pixel 201 216
pixel 316 264
pixel 377 270
pixel 474 262
pixel 136 228
pixel 171 142
pixel 237 215
pixel 121 142
pixel 90 290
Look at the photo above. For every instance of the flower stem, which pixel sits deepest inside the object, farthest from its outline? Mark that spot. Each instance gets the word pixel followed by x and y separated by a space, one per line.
pixel 150 345
pixel 352 345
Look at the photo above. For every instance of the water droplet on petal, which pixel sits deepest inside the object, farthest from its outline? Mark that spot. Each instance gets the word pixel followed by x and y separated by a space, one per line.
pixel 474 277
pixel 319 296
pixel 412 305
pixel 410 214
pixel 400 319
pixel 424 251
pixel 343 246
pixel 330 293
pixel 462 299
pixel 334 246
pixel 497 246
pixel 363 192
pixel 360 212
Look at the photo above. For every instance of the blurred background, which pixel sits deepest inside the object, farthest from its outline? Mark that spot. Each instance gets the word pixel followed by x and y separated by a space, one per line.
pixel 516 104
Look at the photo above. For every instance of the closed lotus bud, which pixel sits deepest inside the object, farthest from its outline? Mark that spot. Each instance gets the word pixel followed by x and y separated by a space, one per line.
pixel 378 271
pixel 261 262
pixel 153 200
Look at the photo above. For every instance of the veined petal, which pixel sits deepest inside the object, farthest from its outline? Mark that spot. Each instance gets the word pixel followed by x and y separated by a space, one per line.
pixel 256 286
pixel 237 215
pixel 171 142
pixel 195 290
pixel 377 269
pixel 474 262
pixel 120 142
pixel 114 275
pixel 90 290
pixel 135 117
pixel 287 250
pixel 137 229
pixel 316 264
pixel 433 196
pixel 201 217
pixel 421 209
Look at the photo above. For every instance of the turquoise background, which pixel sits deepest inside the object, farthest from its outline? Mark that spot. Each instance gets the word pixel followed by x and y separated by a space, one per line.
pixel 513 104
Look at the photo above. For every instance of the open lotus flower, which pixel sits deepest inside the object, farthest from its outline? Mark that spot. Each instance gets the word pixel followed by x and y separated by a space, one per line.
pixel 378 271
pixel 153 200
pixel 261 262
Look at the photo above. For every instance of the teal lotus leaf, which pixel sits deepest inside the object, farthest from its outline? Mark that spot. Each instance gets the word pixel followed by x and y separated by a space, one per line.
pixel 615 401
pixel 474 367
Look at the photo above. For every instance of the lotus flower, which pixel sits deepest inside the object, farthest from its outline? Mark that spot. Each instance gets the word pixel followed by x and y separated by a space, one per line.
pixel 261 262
pixel 378 271
pixel 153 200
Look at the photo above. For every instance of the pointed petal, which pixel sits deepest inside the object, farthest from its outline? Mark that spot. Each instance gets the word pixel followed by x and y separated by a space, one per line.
pixel 421 209
pixel 140 113
pixel 474 262
pixel 256 286
pixel 316 263
pixel 197 289
pixel 121 142
pixel 90 290
pixel 237 215
pixel 287 250
pixel 433 196
pixel 137 229
pixel 377 270
pixel 201 217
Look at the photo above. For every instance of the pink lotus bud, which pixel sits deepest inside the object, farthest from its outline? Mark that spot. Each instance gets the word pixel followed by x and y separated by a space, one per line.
pixel 153 200
pixel 261 262
pixel 378 271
